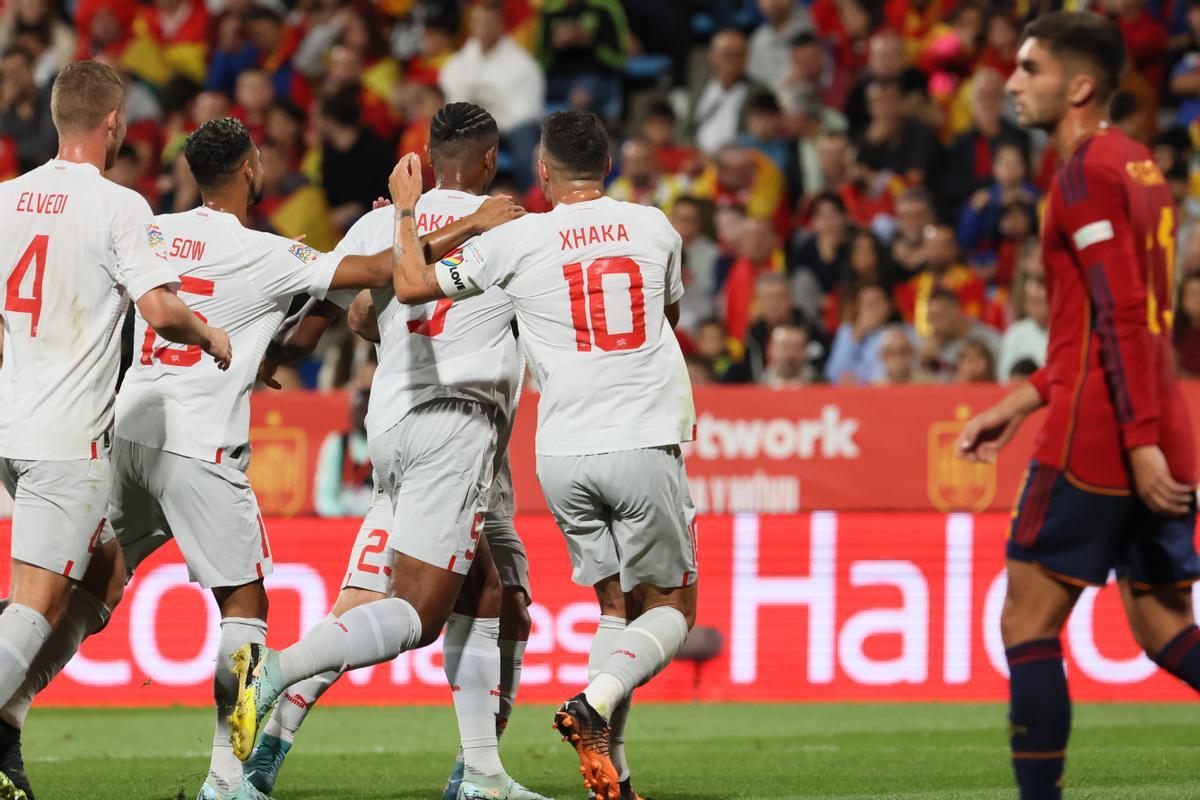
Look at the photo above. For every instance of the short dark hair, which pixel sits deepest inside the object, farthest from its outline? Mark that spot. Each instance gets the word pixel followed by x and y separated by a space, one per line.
pixel 827 197
pixel 578 142
pixel 216 149
pixel 342 107
pixel 19 50
pixel 260 12
pixel 763 102
pixel 660 109
pixel 1089 37
pixel 942 293
pixel 460 129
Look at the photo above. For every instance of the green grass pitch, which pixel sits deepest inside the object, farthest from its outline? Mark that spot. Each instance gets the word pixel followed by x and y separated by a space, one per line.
pixel 678 752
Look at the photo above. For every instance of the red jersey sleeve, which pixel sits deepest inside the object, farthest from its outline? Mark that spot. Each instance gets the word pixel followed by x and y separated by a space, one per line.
pixel 1040 380
pixel 1093 214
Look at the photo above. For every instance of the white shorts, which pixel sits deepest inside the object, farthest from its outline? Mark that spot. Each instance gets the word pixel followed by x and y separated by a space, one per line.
pixel 436 466
pixel 208 508
pixel 60 511
pixel 627 512
pixel 370 564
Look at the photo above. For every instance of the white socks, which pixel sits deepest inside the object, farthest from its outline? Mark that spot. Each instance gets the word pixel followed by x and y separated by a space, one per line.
pixel 639 653
pixel 85 615
pixel 369 634
pixel 224 770
pixel 23 632
pixel 299 698
pixel 471 656
pixel 602 646
pixel 512 656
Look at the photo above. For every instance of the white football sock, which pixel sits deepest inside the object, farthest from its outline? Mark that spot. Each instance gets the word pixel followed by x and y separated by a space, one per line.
pixel 85 615
pixel 616 738
pixel 512 657
pixel 641 651
pixel 224 769
pixel 23 632
pixel 471 655
pixel 299 699
pixel 369 634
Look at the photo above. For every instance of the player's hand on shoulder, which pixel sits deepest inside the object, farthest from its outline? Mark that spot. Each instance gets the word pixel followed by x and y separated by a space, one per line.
pixel 380 202
pixel 217 345
pixel 496 211
pixel 406 182
pixel 1154 484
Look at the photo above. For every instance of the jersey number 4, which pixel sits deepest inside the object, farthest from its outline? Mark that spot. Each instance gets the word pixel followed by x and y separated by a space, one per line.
pixel 588 312
pixel 177 356
pixel 34 254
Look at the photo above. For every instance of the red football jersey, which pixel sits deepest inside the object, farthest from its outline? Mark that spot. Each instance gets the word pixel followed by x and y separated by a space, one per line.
pixel 1108 245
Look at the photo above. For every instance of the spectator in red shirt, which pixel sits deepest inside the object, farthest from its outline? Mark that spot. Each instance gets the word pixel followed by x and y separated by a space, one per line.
pixel 846 25
pixel 870 197
pixel 943 271
pixel 1001 38
pixel 344 72
pixel 1145 38
pixel 759 255
pixel 659 128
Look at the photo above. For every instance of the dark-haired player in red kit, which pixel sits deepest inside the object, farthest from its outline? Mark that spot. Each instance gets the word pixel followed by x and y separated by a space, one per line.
pixel 1112 484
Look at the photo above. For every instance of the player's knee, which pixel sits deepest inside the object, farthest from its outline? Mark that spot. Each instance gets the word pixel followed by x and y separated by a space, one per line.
pixel 515 622
pixel 431 627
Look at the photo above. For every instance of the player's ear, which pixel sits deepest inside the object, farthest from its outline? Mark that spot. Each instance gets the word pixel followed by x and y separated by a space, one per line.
pixel 111 123
pixel 608 167
pixel 543 171
pixel 1081 89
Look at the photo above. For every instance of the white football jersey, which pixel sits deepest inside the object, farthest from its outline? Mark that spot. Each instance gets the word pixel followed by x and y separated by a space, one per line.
pixel 590 282
pixel 464 349
pixel 75 247
pixel 174 397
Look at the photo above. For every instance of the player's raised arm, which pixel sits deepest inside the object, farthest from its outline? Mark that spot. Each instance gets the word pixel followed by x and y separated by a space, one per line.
pixel 413 279
pixel 375 271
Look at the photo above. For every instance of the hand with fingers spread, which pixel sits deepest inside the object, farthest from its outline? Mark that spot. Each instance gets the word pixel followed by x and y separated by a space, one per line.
pixel 1154 484
pixel 496 211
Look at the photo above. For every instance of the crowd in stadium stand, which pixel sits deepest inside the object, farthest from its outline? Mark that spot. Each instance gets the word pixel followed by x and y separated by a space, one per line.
pixel 856 202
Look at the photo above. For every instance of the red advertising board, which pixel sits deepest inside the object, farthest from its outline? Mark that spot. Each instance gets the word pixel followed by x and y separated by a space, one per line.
pixel 756 450
pixel 821 606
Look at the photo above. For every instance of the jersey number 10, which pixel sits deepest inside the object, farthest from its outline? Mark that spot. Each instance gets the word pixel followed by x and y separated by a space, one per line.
pixel 588 313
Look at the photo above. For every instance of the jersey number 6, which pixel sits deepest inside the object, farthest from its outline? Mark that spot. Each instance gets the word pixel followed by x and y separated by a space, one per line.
pixel 586 288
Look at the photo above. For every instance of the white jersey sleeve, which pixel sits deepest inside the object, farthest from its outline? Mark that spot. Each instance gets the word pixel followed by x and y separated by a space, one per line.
pixel 140 257
pixel 284 270
pixel 675 268
pixel 484 262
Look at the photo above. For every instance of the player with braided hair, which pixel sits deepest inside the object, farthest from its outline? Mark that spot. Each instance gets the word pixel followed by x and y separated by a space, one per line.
pixel 438 518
